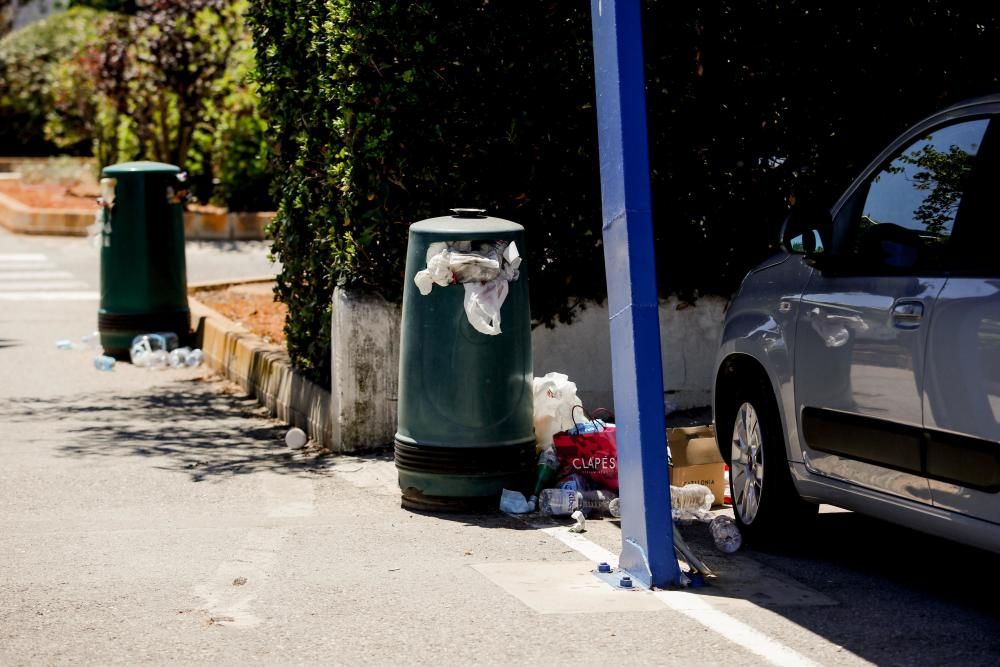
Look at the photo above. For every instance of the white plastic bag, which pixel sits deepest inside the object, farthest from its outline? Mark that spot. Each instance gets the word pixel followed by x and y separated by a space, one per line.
pixel 514 502
pixel 438 271
pixel 485 272
pixel 554 399
pixel 482 305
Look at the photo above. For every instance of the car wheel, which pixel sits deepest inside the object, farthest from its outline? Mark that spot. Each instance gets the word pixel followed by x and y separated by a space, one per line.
pixel 765 502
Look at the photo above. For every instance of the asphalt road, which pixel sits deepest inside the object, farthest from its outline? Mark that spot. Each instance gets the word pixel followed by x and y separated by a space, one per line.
pixel 156 517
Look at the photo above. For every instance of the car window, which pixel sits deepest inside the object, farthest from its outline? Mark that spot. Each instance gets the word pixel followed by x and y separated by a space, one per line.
pixel 911 205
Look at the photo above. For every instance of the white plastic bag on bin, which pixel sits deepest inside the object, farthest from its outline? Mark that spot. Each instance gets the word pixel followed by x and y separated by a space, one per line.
pixel 554 399
pixel 485 272
pixel 482 305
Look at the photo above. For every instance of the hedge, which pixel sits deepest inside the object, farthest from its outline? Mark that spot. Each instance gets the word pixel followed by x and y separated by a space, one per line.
pixel 386 113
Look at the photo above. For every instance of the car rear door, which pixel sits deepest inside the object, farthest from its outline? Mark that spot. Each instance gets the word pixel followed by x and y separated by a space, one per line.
pixel 862 329
pixel 962 366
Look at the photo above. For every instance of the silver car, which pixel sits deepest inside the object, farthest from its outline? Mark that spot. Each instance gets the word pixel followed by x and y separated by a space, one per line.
pixel 861 366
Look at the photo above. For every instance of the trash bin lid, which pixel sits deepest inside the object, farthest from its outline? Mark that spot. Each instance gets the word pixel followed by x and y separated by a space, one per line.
pixel 466 227
pixel 143 167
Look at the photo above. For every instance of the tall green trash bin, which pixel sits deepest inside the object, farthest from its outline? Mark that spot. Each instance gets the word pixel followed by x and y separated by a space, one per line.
pixel 143 271
pixel 465 429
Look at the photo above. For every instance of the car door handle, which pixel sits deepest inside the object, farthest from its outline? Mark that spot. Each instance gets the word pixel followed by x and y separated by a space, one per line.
pixel 907 314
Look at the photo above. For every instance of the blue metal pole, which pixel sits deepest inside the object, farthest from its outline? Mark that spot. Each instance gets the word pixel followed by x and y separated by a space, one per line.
pixel 647 532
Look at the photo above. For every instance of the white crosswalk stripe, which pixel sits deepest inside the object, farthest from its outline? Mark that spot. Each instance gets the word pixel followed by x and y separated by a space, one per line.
pixel 33 277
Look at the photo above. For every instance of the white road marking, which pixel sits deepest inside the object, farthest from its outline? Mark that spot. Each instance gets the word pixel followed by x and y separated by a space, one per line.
pixel 50 296
pixel 230 604
pixel 32 275
pixel 40 285
pixel 696 607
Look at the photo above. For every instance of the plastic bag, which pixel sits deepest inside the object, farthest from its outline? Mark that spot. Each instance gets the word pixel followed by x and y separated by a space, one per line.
pixel 485 272
pixel 514 502
pixel 554 400
pixel 482 305
pixel 589 448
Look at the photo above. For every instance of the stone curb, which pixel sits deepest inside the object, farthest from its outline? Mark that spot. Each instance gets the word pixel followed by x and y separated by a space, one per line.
pixel 264 371
pixel 198 226
pixel 21 219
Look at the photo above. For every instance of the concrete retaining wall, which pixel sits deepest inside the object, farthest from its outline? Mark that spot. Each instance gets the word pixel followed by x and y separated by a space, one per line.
pixel 365 370
pixel 365 338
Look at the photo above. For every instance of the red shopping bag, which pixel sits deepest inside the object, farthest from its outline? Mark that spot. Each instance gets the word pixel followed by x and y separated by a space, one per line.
pixel 589 449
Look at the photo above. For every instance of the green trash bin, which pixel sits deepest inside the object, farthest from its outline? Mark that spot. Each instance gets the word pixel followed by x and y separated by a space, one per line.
pixel 143 272
pixel 465 428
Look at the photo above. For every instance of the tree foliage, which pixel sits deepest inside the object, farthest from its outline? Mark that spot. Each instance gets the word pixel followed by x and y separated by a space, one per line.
pixel 386 113
pixel 29 61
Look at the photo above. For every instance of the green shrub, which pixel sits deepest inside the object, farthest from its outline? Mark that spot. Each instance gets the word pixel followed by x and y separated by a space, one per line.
pixel 386 113
pixel 29 59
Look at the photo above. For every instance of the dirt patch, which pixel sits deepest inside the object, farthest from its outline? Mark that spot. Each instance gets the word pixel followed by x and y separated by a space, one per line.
pixel 251 305
pixel 47 195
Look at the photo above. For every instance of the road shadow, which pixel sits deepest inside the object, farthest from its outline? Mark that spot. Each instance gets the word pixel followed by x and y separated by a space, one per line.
pixel 185 426
pixel 902 597
pixel 9 342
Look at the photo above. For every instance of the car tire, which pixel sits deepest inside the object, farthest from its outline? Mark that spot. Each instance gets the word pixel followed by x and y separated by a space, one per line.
pixel 766 505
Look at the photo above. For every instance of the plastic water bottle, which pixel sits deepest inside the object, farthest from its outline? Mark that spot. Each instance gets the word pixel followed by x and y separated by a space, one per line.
pixel 194 358
pixel 64 344
pixel 615 508
pixel 103 362
pixel 692 497
pixel 558 502
pixel 725 534
pixel 150 350
pixel 170 341
pixel 178 357
pixel 90 340
pixel 596 500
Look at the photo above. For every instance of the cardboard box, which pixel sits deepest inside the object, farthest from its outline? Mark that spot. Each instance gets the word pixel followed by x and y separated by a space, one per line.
pixel 695 459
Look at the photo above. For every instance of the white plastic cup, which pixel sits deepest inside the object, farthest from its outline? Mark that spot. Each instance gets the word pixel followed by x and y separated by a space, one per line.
pixel 296 438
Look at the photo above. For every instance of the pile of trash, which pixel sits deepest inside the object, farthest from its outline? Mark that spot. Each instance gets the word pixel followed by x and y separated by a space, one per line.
pixel 577 471
pixel 153 351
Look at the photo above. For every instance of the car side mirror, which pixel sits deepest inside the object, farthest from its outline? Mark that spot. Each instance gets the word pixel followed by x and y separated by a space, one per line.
pixel 806 231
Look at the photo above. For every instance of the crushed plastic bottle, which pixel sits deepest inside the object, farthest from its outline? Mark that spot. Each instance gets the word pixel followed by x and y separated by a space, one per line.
pixel 170 340
pixel 558 502
pixel 194 358
pixel 64 344
pixel 148 351
pixel 90 340
pixel 178 358
pixel 103 362
pixel 563 502
pixel 690 503
pixel 597 500
pixel 615 508
pixel 725 534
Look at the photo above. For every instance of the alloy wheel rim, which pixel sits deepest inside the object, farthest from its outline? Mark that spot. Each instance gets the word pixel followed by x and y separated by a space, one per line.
pixel 747 456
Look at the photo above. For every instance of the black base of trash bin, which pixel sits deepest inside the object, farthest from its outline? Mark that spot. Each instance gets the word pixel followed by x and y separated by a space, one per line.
pixel 118 329
pixel 461 479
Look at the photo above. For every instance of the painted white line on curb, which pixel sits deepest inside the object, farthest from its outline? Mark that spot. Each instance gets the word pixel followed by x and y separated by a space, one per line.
pixel 695 607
